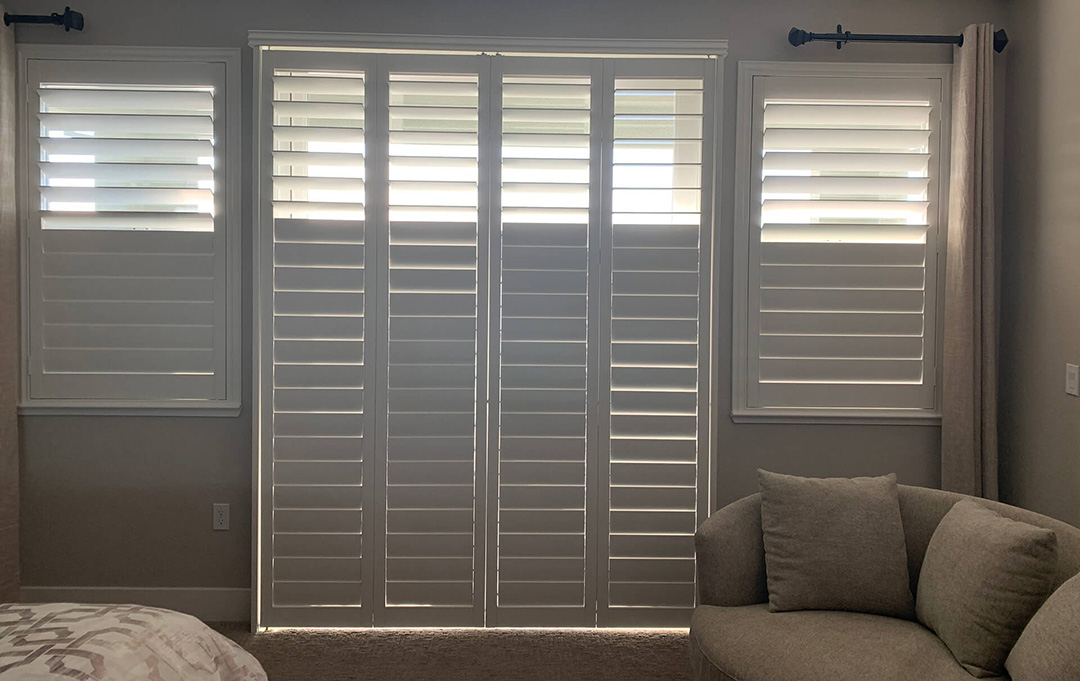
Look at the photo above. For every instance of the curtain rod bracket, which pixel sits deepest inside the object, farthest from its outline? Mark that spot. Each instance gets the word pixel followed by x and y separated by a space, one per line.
pixel 70 19
pixel 798 37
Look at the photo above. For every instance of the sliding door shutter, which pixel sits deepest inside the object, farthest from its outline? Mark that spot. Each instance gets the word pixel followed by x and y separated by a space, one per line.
pixel 544 399
pixel 655 353
pixel 127 231
pixel 317 371
pixel 844 242
pixel 485 338
pixel 433 432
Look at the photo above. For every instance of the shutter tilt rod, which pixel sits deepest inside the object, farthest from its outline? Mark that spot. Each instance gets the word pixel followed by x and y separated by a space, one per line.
pixel 70 19
pixel 798 37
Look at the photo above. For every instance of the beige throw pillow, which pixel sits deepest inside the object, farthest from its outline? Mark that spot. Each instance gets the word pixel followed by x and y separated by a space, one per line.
pixel 1049 648
pixel 834 544
pixel 983 578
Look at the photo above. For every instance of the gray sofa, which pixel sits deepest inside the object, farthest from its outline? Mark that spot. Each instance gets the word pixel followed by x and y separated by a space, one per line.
pixel 733 636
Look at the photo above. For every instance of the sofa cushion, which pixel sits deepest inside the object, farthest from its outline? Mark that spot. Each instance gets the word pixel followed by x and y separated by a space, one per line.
pixel 1049 648
pixel 749 643
pixel 834 544
pixel 983 578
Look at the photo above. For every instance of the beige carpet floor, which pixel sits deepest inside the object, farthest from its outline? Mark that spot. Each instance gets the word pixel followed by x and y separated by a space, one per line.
pixel 467 654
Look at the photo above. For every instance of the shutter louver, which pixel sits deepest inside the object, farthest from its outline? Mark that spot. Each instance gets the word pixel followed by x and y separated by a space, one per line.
pixel 845 247
pixel 655 367
pixel 319 360
pixel 431 440
pixel 543 326
pixel 124 305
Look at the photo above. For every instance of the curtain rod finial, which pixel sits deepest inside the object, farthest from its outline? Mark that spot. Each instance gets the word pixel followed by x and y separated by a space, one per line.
pixel 1001 39
pixel 797 36
pixel 72 20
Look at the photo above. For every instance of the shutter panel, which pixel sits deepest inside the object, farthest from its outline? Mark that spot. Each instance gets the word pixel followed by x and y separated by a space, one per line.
pixel 656 440
pixel 320 374
pixel 544 565
pixel 431 408
pixel 843 256
pixel 127 286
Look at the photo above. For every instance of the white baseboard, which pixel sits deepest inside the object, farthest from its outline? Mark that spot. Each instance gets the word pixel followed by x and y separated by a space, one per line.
pixel 208 604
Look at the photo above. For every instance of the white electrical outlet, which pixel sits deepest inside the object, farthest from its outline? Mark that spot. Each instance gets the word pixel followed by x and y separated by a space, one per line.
pixel 1072 379
pixel 221 516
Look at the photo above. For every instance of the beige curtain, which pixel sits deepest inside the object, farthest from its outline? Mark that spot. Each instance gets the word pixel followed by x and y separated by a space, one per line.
pixel 9 324
pixel 969 411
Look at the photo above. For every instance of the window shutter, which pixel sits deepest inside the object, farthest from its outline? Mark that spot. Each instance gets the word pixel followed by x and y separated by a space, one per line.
pixel 658 366
pixel 843 248
pixel 320 377
pixel 432 385
pixel 548 149
pixel 492 424
pixel 127 281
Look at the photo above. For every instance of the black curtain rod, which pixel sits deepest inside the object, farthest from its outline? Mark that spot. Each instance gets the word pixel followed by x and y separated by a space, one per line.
pixel 70 19
pixel 798 37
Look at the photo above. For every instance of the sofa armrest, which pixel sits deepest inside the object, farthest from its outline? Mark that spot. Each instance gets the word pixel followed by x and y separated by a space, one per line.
pixel 731 556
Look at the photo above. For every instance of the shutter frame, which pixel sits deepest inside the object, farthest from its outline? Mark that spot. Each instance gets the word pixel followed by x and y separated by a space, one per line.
pixel 807 76
pixel 355 529
pixel 443 602
pixel 517 582
pixel 645 563
pixel 175 66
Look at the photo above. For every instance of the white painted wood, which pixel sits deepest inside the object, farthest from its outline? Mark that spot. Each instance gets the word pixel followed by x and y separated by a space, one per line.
pixel 657 344
pixel 542 316
pixel 132 260
pixel 830 115
pixel 838 245
pixel 436 242
pixel 378 42
pixel 488 377
pixel 317 288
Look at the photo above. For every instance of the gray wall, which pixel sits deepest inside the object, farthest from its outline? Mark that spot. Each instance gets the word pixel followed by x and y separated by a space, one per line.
pixel 9 342
pixel 126 501
pixel 1040 424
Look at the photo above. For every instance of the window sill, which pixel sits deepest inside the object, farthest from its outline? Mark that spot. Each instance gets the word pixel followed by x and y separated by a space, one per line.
pixel 854 417
pixel 106 408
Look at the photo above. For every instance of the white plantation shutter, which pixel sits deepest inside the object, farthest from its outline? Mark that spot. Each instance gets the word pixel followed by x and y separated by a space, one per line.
pixel 320 379
pixel 549 208
pixel 433 119
pixel 656 349
pixel 845 200
pixel 502 425
pixel 128 229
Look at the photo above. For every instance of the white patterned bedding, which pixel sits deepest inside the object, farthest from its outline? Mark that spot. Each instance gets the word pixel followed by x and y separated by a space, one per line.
pixel 65 641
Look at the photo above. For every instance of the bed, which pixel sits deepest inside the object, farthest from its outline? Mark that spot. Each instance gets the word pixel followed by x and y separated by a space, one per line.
pixel 66 641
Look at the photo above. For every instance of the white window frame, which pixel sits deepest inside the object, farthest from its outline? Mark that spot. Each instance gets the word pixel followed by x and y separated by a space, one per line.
pixel 740 411
pixel 231 404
